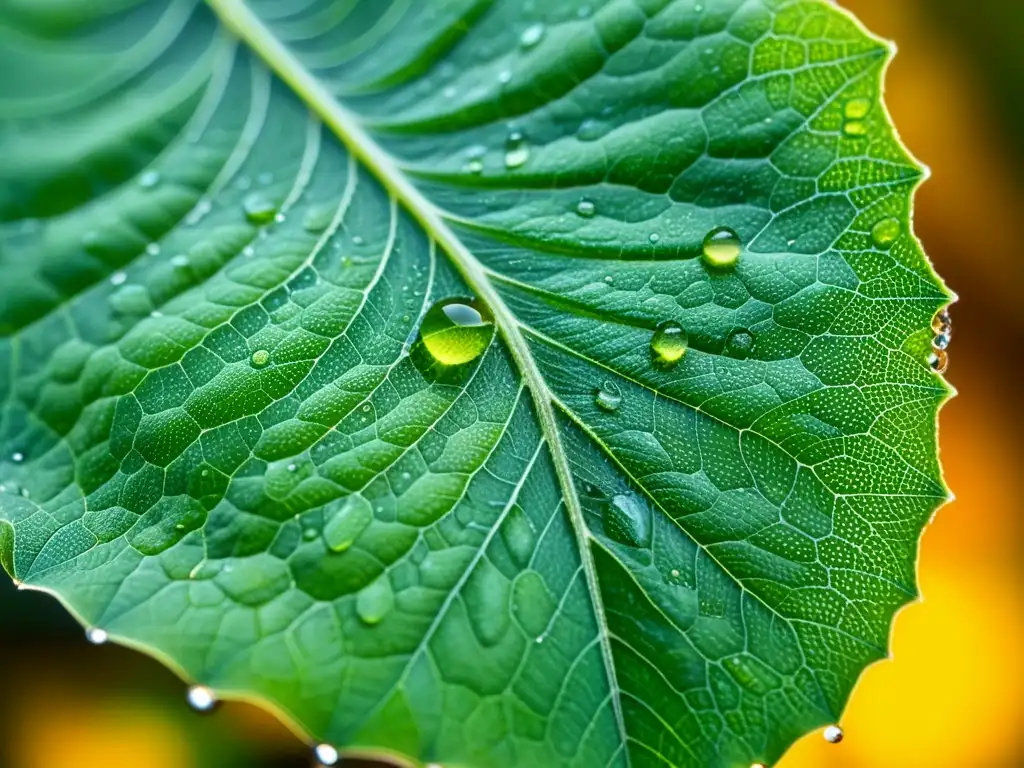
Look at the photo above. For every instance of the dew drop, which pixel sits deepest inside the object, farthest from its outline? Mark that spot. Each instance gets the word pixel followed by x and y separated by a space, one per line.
pixel 326 754
pixel 675 573
pixel 608 397
pixel 857 109
pixel 668 344
pixel 938 360
pixel 942 323
pixel 17 457
pixel 885 232
pixel 153 249
pixel 942 341
pixel 197 214
pixel 260 358
pixel 357 240
pixel 654 237
pixel 375 601
pixel 354 517
pixel 855 129
pixel 505 76
pixel 96 636
pixel 739 344
pixel 259 209
pixel 180 260
pixel 149 179
pixel 627 520
pixel 586 208
pixel 721 249
pixel 118 278
pixel 833 734
pixel 248 251
pixel 457 331
pixel 310 533
pixel 201 698
pixel 531 35
pixel 517 149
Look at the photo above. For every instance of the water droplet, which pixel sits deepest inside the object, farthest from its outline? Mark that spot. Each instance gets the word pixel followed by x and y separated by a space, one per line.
pixel 457 331
pixel 474 159
pixel 197 214
pixel 627 520
pixel 309 534
pixel 942 323
pixel 675 573
pixel 505 76
pixel 668 344
pixel 354 517
pixel 375 601
pixel 96 636
pixel 855 129
pixel 938 360
pixel 180 260
pixel 17 457
pixel 153 249
pixel 654 237
pixel 531 35
pixel 517 149
pixel 586 208
pixel 149 179
pixel 885 232
pixel 608 397
pixel 201 698
pixel 357 240
pixel 326 754
pixel 833 734
pixel 609 279
pixel 857 109
pixel 259 209
pixel 260 358
pixel 942 341
pixel 739 344
pixel 118 278
pixel 721 249
pixel 248 251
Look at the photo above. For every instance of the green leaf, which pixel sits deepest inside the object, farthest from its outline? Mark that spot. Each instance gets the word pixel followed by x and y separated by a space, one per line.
pixel 224 442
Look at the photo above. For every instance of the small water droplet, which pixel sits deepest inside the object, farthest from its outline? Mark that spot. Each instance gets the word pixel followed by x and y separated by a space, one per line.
pixel 357 240
pixel 721 248
pixel 627 520
pixel 149 179
pixel 586 208
pixel 505 76
pixel 457 331
pixel 248 251
pixel 608 397
pixel 310 533
pixel 180 260
pixel 326 754
pixel 885 232
pixel 260 358
pixel 201 698
pixel 938 360
pixel 292 467
pixel 205 473
pixel 17 457
pixel 375 601
pixel 517 149
pixel 153 249
pixel 855 129
pixel 118 278
pixel 279 217
pixel 259 209
pixel 942 341
pixel 354 517
pixel 739 344
pixel 654 237
pixel 96 636
pixel 675 573
pixel 856 109
pixel 609 279
pixel 668 344
pixel 531 35
pixel 197 214
pixel 833 734
pixel 474 159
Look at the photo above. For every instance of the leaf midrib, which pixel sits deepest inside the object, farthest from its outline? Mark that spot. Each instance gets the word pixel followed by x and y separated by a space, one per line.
pixel 249 28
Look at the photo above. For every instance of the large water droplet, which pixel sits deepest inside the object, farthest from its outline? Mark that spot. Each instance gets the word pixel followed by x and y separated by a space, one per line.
pixel 457 331
pixel 653 238
pixel 517 149
pixel 586 209
pixel 608 397
pixel 326 754
pixel 375 601
pixel 201 698
pixel 96 636
pixel 668 344
pixel 942 341
pixel 833 734
pixel 260 358
pixel 721 249
pixel 627 520
pixel 938 360
pixel 259 208
pixel 354 516
pixel 885 232
pixel 942 323
pixel 739 344
pixel 149 179
pixel 531 35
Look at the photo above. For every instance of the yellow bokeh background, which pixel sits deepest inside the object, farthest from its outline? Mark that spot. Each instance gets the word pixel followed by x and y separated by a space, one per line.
pixel 951 696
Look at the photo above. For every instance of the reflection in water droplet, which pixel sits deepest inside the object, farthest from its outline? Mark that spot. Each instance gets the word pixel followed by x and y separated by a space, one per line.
pixel 375 601
pixel 357 240
pixel 721 248
pixel 739 344
pixel 627 520
pixel 149 179
pixel 833 734
pixel 259 209
pixel 885 232
pixel 942 323
pixel 326 754
pixel 531 35
pixel 201 698
pixel 668 344
pixel 96 636
pixel 608 397
pixel 938 360
pixel 586 209
pixel 517 149
pixel 342 530
pixel 942 341
pixel 457 331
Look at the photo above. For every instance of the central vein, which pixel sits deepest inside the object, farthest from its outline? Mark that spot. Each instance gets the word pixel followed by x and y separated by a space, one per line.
pixel 240 19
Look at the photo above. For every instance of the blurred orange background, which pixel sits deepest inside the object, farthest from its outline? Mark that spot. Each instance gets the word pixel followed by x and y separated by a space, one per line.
pixel 953 694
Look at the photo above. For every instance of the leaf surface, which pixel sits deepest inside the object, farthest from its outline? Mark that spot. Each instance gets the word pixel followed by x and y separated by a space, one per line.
pixel 224 443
